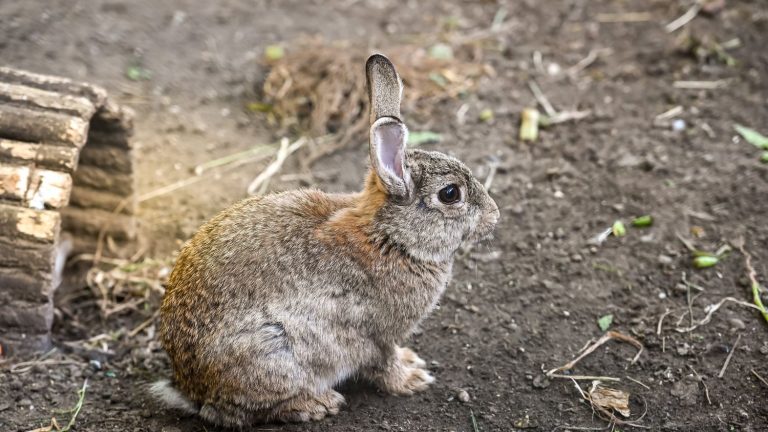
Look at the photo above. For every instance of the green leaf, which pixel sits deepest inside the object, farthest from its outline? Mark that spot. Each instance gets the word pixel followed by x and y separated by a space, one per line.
pixel 764 157
pixel 486 115
pixel 752 136
pixel 137 73
pixel 423 137
pixel 605 322
pixel 438 79
pixel 259 107
pixel 705 261
pixel 441 51
pixel 274 52
pixel 642 221
pixel 618 229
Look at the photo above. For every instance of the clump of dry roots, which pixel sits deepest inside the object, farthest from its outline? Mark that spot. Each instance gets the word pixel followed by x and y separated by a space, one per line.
pixel 320 88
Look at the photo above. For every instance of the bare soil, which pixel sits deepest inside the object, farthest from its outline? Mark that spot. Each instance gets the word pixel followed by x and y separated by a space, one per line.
pixel 524 304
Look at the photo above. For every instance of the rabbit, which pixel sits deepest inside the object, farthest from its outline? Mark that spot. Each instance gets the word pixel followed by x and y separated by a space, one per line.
pixel 280 298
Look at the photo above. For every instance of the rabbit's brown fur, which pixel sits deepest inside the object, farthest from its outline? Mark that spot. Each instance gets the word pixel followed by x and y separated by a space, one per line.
pixel 277 300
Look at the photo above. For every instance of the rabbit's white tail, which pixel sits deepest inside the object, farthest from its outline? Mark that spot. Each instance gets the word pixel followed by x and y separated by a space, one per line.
pixel 164 391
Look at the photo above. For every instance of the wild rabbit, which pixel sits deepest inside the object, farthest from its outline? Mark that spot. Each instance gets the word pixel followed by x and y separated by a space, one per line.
pixel 278 299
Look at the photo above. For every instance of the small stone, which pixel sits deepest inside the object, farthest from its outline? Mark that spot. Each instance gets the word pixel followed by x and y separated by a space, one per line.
pixel 170 429
pixel 684 349
pixel 526 423
pixel 25 402
pixel 764 349
pixel 463 396
pixel 737 324
pixel 665 260
pixel 678 125
pixel 577 258
pixel 540 382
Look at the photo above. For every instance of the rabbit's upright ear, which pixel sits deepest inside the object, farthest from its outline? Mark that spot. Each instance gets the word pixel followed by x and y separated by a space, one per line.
pixel 385 88
pixel 389 136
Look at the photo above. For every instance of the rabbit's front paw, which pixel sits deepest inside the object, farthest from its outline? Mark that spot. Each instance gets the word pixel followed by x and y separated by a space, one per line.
pixel 309 407
pixel 410 358
pixel 405 375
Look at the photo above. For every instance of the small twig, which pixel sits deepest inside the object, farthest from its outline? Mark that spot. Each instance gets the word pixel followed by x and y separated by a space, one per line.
pixel 700 85
pixel 684 19
pixel 143 325
pixel 712 310
pixel 474 421
pixel 661 320
pixel 754 372
pixel 78 406
pixel 542 99
pixel 259 185
pixel 668 114
pixel 584 377
pixel 259 151
pixel 728 359
pixel 565 116
pixel 637 381
pixel 605 338
pixel 752 274
pixel 492 168
pixel 626 17
pixel 587 61
pixel 706 389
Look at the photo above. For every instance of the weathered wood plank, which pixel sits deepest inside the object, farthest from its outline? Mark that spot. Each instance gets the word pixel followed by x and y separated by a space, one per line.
pixel 25 224
pixel 25 124
pixel 35 188
pixel 111 158
pixel 24 284
pixel 57 158
pixel 112 117
pixel 85 197
pixel 95 94
pixel 25 316
pixel 91 221
pixel 35 98
pixel 97 178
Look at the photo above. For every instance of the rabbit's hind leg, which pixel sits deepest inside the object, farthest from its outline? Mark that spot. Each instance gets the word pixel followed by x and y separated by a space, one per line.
pixel 306 407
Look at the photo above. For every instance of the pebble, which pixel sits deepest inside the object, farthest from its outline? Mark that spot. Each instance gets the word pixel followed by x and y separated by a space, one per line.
pixel 25 402
pixel 577 258
pixel 737 324
pixel 463 396
pixel 540 382
pixel 665 260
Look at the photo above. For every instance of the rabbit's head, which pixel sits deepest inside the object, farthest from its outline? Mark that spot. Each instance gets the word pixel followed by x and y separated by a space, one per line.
pixel 427 203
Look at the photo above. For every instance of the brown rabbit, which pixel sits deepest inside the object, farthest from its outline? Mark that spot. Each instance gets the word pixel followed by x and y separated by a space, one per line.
pixel 279 299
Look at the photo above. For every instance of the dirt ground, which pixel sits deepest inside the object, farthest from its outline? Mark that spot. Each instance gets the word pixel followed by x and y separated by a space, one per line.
pixel 517 307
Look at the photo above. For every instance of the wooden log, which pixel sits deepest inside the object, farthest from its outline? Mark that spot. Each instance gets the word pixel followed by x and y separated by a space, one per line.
pixel 109 158
pixel 95 94
pixel 111 117
pixel 24 284
pixel 21 254
pixel 91 221
pixel 97 178
pixel 25 124
pixel 25 224
pixel 85 197
pixel 25 96
pixel 28 317
pixel 35 188
pixel 23 343
pixel 57 158
pixel 103 138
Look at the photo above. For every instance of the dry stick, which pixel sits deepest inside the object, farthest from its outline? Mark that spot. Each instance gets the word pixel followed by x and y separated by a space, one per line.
pixel 661 320
pixel 584 377
pixel 752 274
pixel 706 389
pixel 700 85
pixel 637 381
pixel 626 17
pixel 262 180
pixel 605 338
pixel 712 310
pixel 143 325
pixel 728 359
pixel 759 377
pixel 684 19
pixel 542 99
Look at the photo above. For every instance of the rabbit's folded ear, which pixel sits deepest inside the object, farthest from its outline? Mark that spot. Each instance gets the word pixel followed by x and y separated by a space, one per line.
pixel 389 135
pixel 387 147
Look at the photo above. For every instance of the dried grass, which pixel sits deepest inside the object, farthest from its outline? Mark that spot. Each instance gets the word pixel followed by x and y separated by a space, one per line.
pixel 320 88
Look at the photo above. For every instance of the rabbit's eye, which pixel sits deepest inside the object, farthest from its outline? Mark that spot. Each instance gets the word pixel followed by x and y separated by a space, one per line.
pixel 449 194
